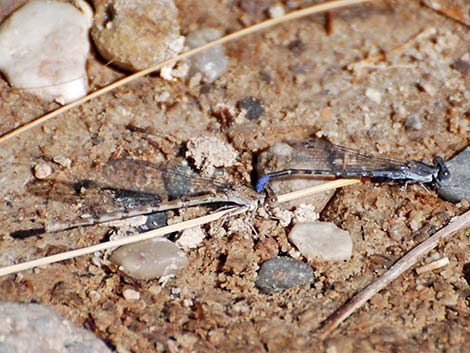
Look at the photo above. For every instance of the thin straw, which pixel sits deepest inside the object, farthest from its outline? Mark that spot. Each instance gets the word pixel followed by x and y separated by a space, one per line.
pixel 328 6
pixel 165 230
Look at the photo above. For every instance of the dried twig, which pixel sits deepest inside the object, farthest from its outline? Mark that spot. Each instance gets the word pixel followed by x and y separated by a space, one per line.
pixel 433 266
pixel 315 9
pixel 402 265
pixel 119 242
pixel 373 60
pixel 168 229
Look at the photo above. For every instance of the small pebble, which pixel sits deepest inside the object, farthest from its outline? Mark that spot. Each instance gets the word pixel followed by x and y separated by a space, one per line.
pixel 252 106
pixel 277 10
pixel 34 328
pixel 413 122
pixel 321 239
pixel 130 294
pixel 398 230
pixel 135 35
pixel 280 273
pixel 211 63
pixel 46 54
pixel 150 259
pixel 62 161
pixel 457 187
pixel 42 171
pixel 374 95
pixel 462 65
pixel 191 238
pixel 254 6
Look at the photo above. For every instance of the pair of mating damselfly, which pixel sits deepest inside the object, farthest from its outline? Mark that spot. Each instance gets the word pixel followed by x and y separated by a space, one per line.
pixel 142 188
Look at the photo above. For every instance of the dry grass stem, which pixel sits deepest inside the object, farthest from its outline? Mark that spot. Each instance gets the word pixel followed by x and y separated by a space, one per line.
pixel 402 265
pixel 375 59
pixel 448 11
pixel 119 242
pixel 433 266
pixel 315 9
pixel 164 230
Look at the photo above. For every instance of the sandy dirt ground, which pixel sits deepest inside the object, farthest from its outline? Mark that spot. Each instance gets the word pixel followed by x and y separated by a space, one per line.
pixel 315 77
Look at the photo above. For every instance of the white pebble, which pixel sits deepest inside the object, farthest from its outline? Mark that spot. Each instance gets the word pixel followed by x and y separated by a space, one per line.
pixel 42 171
pixel 43 49
pixel 191 238
pixel 62 161
pixel 150 259
pixel 130 294
pixel 276 11
pixel 374 95
pixel 211 63
pixel 321 239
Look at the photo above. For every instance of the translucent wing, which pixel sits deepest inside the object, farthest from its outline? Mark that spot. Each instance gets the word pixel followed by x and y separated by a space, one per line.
pixel 321 155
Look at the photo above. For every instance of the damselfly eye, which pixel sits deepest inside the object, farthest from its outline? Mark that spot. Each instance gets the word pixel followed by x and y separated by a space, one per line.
pixel 443 173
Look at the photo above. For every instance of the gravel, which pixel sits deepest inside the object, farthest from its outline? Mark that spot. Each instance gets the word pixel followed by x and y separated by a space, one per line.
pixel 280 273
pixel 253 107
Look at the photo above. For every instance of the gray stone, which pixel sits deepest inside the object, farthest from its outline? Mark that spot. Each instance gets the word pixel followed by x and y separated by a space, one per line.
pixel 321 240
pixel 34 328
pixel 281 273
pixel 252 106
pixel 149 259
pixel 457 187
pixel 211 63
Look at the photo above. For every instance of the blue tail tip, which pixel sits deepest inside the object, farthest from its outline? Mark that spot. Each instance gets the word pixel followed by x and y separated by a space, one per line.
pixel 261 183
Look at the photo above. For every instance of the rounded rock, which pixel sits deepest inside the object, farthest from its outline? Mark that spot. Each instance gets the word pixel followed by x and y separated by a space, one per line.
pixel 42 171
pixel 135 35
pixel 150 259
pixel 321 240
pixel 281 273
pixel 34 328
pixel 44 47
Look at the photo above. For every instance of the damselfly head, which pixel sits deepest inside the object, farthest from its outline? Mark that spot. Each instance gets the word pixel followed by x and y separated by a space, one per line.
pixel 442 170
